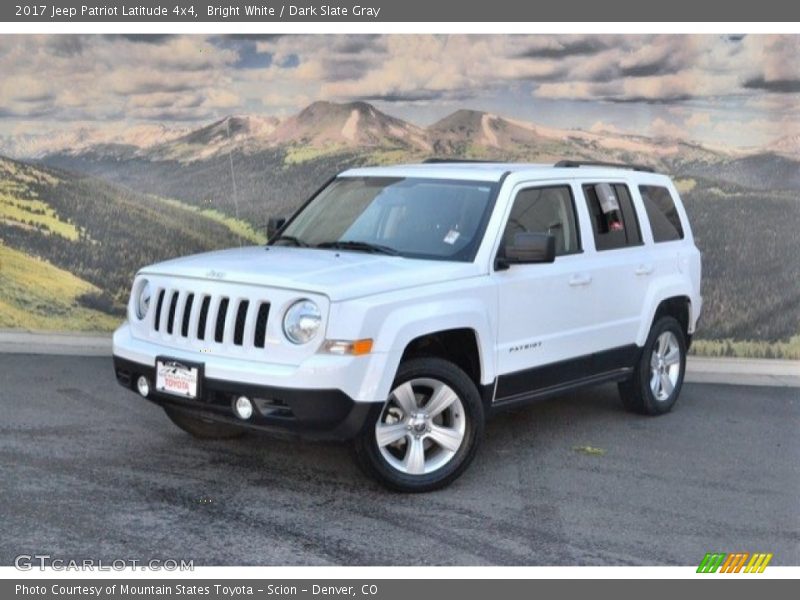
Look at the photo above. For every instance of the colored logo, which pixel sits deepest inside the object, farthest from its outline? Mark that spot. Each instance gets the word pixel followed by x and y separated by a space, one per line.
pixel 737 562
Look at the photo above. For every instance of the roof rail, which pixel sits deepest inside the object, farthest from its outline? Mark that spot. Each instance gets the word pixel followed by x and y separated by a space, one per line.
pixel 433 161
pixel 573 164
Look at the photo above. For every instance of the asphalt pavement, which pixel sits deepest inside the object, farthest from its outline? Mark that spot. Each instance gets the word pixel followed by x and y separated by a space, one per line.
pixel 89 470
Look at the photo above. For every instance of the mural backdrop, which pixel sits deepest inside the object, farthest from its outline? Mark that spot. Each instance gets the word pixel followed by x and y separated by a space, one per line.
pixel 117 151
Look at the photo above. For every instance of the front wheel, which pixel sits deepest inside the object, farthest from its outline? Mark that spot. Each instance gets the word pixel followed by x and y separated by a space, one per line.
pixel 658 378
pixel 427 431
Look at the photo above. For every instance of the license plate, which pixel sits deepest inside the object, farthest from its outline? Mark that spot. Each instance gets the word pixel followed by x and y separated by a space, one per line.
pixel 177 377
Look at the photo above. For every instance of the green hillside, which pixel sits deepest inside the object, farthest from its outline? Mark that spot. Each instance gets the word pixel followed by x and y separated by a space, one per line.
pixel 241 228
pixel 90 237
pixel 751 275
pixel 36 295
pixel 751 284
pixel 20 204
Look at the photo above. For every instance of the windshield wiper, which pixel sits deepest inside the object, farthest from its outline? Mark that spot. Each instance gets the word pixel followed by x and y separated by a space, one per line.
pixel 359 246
pixel 290 238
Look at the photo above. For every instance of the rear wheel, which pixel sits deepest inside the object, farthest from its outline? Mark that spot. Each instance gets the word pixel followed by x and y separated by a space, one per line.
pixel 204 429
pixel 658 378
pixel 428 430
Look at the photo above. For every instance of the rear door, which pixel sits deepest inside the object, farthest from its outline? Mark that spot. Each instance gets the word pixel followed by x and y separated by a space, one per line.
pixel 620 269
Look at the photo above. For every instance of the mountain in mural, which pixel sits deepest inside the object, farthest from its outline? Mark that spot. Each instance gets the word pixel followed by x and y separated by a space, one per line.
pixel 159 193
pixel 788 145
pixel 359 129
pixel 70 245
pixel 81 139
pixel 357 125
pixel 248 133
pixel 247 166
pixel 352 125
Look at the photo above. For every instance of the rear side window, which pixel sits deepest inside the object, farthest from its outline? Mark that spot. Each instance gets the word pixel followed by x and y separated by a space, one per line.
pixel 545 210
pixel 664 219
pixel 614 221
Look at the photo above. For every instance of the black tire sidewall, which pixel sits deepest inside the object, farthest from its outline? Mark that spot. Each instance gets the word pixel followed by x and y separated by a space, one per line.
pixel 367 447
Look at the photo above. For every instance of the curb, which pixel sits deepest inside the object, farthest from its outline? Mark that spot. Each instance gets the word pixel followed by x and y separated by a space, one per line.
pixel 699 369
pixel 743 371
pixel 61 344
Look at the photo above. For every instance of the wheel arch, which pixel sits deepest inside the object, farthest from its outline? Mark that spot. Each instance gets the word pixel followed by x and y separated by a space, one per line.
pixel 459 346
pixel 464 341
pixel 678 306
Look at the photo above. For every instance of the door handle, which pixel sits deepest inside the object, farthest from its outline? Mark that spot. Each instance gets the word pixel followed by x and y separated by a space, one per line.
pixel 644 269
pixel 577 280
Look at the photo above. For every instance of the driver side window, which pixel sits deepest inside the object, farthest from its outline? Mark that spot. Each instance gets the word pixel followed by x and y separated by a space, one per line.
pixel 545 210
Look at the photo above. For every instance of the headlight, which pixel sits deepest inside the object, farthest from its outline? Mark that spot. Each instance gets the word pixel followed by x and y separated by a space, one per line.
pixel 143 299
pixel 302 321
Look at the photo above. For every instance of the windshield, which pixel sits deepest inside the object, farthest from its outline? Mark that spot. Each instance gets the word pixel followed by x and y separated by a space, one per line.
pixel 416 218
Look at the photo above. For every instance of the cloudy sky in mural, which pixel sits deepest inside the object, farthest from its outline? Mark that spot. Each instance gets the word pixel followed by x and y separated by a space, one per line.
pixel 732 90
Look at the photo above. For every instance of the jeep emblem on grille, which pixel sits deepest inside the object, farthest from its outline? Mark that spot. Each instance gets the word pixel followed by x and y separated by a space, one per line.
pixel 215 274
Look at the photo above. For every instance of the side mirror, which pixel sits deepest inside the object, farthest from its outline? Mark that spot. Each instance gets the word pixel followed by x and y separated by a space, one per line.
pixel 274 225
pixel 528 248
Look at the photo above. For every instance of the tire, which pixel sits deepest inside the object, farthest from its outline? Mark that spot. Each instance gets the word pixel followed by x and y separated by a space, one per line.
pixel 658 377
pixel 411 457
pixel 204 429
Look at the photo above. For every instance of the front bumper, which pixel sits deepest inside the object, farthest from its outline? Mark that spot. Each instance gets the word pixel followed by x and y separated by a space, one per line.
pixel 315 413
pixel 362 378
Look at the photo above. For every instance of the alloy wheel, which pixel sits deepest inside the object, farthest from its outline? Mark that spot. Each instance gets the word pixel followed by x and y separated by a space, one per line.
pixel 665 366
pixel 422 426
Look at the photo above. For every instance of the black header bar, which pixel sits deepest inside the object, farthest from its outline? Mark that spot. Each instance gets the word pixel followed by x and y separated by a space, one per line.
pixel 376 11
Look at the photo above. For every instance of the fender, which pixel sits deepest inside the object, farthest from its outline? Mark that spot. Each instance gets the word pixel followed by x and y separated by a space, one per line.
pixel 463 314
pixel 395 323
pixel 667 287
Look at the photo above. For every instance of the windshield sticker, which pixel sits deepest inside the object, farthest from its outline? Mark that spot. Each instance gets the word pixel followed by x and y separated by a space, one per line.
pixel 451 237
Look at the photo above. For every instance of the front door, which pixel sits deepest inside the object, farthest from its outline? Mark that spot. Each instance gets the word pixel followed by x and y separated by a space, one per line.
pixel 547 311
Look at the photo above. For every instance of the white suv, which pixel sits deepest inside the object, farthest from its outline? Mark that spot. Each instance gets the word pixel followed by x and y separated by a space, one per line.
pixel 400 306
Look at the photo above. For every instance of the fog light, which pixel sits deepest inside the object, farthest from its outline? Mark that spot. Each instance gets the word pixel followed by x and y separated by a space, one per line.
pixel 143 386
pixel 243 407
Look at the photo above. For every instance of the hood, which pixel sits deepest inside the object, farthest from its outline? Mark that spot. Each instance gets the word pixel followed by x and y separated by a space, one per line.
pixel 339 274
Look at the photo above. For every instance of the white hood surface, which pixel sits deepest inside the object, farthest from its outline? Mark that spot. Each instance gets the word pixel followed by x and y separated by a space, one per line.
pixel 339 274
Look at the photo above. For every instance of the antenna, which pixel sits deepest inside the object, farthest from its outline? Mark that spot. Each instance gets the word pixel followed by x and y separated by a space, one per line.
pixel 233 176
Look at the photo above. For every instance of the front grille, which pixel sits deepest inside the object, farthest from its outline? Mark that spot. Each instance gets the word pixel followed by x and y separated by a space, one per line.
pixel 236 321
pixel 187 313
pixel 241 315
pixel 261 325
pixel 222 312
pixel 158 308
pixel 173 305
pixel 201 323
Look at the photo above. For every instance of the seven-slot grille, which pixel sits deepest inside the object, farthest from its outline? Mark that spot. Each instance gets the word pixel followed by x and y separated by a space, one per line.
pixel 211 318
